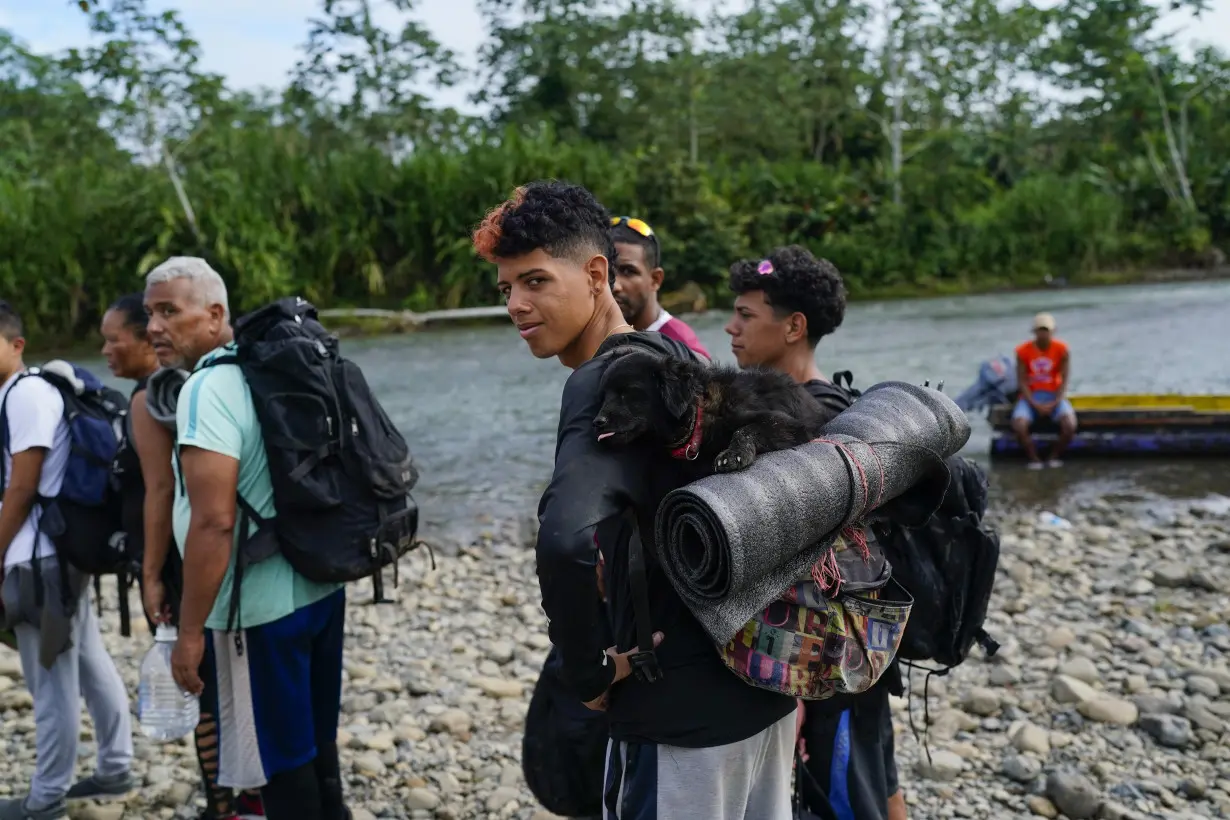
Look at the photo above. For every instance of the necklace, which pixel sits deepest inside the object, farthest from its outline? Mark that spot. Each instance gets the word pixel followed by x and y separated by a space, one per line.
pixel 617 327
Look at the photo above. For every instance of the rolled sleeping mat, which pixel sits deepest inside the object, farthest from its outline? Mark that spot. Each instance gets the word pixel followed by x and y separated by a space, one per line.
pixel 162 394
pixel 731 543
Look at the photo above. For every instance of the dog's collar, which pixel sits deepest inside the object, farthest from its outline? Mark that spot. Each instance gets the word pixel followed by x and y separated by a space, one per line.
pixel 689 447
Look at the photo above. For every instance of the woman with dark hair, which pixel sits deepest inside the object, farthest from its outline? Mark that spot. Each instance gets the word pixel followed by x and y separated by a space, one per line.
pixel 147 491
pixel 689 740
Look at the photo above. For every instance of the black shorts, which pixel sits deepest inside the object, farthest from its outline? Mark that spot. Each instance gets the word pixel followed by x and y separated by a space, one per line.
pixel 851 769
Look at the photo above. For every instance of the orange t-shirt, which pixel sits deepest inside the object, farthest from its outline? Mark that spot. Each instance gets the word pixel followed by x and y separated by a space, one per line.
pixel 1042 367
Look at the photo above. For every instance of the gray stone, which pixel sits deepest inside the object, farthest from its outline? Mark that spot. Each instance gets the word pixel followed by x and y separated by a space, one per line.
pixel 1005 676
pixel 1022 768
pixel 1171 574
pixel 1194 788
pixel 501 797
pixel 1156 705
pixel 943 766
pixel 453 721
pixel 421 798
pixel 1220 676
pixel 1026 737
pixel 1060 638
pixel 1168 730
pixel 1105 709
pixel 1202 685
pixel 1070 690
pixel 1040 806
pixel 982 701
pixel 1202 718
pixel 1073 794
pixel 1082 669
pixel 370 765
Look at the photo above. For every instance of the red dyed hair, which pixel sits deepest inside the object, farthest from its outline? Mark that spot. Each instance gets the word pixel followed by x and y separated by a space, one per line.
pixel 487 235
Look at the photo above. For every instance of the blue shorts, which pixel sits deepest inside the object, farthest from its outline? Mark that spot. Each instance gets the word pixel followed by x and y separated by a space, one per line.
pixel 1024 410
pixel 279 699
pixel 851 770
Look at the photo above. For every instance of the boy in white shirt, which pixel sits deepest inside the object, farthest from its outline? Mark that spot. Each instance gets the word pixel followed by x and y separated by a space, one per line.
pixel 62 653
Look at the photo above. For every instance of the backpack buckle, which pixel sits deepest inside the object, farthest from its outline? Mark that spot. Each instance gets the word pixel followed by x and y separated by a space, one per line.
pixel 645 666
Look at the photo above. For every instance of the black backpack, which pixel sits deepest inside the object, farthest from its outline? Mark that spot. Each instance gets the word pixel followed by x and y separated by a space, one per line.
pixel 83 519
pixel 341 472
pixel 949 566
pixel 563 751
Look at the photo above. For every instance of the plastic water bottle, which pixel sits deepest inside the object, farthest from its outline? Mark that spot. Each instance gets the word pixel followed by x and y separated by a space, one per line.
pixel 165 711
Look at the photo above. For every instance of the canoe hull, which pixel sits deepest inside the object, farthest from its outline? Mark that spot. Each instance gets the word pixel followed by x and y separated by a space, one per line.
pixel 1144 425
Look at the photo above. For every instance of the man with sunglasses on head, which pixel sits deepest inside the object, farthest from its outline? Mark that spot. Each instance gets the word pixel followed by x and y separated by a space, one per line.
pixel 638 277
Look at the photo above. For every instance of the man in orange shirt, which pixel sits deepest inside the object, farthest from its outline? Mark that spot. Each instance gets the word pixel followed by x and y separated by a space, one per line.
pixel 1042 379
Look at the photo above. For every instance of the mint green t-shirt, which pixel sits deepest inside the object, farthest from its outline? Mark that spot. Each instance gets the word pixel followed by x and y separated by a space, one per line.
pixel 215 412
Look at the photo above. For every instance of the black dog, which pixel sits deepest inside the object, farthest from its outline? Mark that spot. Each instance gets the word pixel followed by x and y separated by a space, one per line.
pixel 704 414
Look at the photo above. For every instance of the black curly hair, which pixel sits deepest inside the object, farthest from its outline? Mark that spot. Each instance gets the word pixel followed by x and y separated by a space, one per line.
pixel 563 219
pixel 796 282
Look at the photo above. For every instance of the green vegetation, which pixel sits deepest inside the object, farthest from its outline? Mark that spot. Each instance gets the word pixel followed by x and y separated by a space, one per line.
pixel 922 146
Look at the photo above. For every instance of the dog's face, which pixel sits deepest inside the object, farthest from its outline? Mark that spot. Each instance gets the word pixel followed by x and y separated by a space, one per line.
pixel 646 396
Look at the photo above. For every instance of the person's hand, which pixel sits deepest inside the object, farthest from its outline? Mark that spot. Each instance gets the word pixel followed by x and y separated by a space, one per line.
pixel 155 601
pixel 186 662
pixel 623 668
pixel 1047 407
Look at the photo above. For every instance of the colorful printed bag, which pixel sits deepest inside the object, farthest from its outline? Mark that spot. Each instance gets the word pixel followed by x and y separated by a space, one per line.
pixel 811 646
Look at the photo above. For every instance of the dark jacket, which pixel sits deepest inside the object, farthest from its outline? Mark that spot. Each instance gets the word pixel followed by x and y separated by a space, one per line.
pixel 698 702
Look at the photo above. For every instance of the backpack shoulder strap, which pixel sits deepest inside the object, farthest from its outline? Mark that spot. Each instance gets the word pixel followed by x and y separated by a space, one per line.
pixel 848 377
pixel 644 661
pixel 229 358
pixel 4 427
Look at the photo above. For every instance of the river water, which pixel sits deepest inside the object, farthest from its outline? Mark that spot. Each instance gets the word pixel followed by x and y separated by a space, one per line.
pixel 480 412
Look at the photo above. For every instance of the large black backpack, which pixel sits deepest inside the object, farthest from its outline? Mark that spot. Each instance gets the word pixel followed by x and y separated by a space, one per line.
pixel 340 470
pixel 83 519
pixel 563 751
pixel 949 566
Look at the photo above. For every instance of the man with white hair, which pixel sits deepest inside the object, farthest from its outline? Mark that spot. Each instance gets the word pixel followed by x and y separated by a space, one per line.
pixel 275 647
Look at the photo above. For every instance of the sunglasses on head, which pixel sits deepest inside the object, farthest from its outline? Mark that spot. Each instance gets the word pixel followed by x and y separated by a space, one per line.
pixel 638 225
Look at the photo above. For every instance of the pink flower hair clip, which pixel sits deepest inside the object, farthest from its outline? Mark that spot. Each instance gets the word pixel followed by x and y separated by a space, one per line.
pixel 765 268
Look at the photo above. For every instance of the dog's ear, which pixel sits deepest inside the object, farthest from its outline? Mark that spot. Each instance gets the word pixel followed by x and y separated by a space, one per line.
pixel 678 385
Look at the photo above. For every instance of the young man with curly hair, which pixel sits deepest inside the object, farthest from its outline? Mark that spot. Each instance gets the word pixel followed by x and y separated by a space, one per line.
pixel 638 277
pixel 785 305
pixel 691 742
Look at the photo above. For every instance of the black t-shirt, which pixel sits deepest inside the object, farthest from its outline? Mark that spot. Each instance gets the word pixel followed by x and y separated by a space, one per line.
pixel 698 703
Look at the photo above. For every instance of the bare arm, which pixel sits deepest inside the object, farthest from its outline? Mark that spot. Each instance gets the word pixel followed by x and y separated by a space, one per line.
pixel 211 480
pixel 1022 380
pixel 19 495
pixel 154 444
pixel 1063 378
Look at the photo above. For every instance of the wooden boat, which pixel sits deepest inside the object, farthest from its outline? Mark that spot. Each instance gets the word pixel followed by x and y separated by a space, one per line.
pixel 1113 425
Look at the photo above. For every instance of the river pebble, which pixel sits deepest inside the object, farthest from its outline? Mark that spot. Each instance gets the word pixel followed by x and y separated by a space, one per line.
pixel 1109 697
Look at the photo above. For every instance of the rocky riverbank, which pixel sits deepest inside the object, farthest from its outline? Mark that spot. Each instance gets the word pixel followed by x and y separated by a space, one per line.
pixel 1109 699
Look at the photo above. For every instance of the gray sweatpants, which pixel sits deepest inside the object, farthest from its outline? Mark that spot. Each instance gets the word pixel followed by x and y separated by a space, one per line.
pixel 748 780
pixel 83 670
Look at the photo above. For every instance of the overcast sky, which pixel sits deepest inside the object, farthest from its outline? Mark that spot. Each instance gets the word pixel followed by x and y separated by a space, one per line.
pixel 254 42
